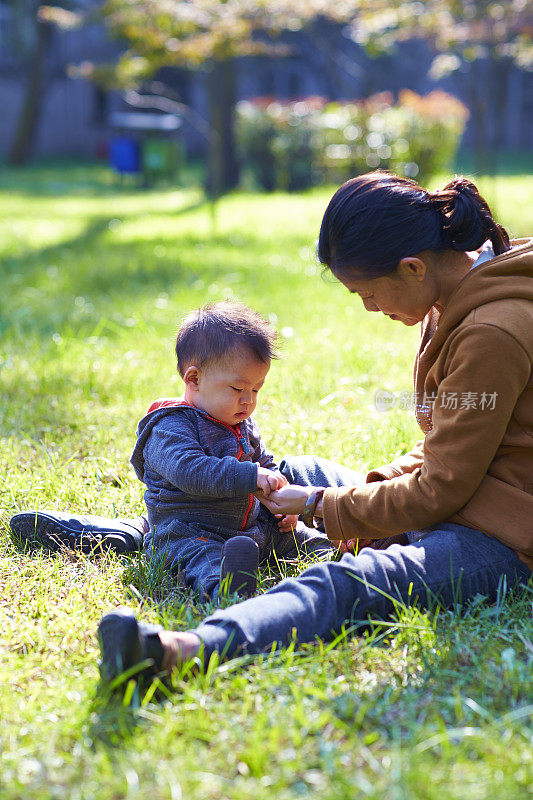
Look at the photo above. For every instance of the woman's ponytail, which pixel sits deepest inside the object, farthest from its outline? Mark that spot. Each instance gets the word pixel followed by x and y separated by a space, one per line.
pixel 467 220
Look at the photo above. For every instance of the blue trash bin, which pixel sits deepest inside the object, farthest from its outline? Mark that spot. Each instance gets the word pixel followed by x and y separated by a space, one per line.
pixel 125 155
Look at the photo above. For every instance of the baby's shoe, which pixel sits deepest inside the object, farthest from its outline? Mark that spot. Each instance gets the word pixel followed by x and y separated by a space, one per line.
pixel 54 529
pixel 240 559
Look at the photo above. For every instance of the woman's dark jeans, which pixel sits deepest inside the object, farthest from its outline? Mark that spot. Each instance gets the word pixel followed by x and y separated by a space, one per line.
pixel 447 564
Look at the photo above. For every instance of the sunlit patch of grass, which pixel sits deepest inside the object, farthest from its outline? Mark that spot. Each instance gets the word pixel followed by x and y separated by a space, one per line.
pixel 95 278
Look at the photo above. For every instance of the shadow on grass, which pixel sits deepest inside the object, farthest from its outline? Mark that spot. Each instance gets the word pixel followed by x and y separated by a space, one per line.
pixel 112 723
pixel 80 283
pixel 59 178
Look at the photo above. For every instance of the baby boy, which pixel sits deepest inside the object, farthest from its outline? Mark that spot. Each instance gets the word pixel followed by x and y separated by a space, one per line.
pixel 203 462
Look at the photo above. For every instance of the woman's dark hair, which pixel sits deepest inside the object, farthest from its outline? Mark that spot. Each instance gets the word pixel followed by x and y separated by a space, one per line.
pixel 214 331
pixel 375 220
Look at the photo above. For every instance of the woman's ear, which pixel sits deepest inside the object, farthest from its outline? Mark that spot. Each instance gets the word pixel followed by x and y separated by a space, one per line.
pixel 191 378
pixel 412 267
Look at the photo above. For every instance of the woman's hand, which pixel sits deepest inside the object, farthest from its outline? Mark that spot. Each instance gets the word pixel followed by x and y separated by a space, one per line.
pixel 289 499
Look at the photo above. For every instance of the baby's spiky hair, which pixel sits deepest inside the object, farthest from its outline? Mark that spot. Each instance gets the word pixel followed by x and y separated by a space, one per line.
pixel 212 332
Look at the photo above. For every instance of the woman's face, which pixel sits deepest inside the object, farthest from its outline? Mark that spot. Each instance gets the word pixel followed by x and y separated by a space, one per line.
pixel 405 296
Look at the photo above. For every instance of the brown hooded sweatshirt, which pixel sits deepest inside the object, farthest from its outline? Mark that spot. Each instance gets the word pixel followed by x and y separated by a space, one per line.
pixel 474 392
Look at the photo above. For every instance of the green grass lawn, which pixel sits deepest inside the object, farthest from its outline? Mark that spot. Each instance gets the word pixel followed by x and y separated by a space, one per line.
pixel 95 278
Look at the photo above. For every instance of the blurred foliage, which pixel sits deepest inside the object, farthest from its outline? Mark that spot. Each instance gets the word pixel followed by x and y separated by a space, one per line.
pixel 206 34
pixel 460 30
pixel 479 40
pixel 163 32
pixel 293 145
pixel 211 33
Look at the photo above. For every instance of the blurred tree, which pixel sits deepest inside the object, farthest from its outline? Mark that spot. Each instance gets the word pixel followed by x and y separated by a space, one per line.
pixel 31 41
pixel 209 34
pixel 481 39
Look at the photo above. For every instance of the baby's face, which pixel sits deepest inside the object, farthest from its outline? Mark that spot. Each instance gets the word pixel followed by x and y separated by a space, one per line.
pixel 228 390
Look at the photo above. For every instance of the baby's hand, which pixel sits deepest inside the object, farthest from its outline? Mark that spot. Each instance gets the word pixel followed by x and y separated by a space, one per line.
pixel 287 522
pixel 268 481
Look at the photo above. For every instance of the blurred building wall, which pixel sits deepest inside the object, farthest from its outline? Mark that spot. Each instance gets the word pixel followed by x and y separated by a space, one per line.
pixel 73 116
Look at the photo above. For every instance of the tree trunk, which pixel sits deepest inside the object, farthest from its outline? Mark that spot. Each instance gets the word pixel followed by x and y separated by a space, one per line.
pixel 478 94
pixel 501 68
pixel 31 105
pixel 488 101
pixel 223 168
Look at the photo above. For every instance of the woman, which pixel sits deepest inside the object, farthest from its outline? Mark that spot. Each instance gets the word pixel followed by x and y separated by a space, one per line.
pixel 461 502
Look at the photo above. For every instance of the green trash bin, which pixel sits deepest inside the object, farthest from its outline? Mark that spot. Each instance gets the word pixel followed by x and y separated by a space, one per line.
pixel 160 158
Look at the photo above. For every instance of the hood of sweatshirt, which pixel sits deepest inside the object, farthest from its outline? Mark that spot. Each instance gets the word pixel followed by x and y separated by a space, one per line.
pixel 502 278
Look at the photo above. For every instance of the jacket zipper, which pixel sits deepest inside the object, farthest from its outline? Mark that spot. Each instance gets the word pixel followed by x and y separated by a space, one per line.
pixel 243 448
pixel 247 512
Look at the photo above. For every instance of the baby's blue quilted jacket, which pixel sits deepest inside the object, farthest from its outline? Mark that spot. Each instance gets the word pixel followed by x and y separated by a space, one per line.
pixel 199 473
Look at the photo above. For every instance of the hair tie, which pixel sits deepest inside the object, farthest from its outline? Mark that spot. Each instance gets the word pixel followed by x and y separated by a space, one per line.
pixel 436 202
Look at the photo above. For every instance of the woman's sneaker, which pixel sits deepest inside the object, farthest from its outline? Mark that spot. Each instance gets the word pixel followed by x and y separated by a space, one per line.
pixel 88 533
pixel 125 642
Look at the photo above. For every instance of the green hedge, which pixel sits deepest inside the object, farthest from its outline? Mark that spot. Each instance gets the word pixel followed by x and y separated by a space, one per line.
pixel 294 145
